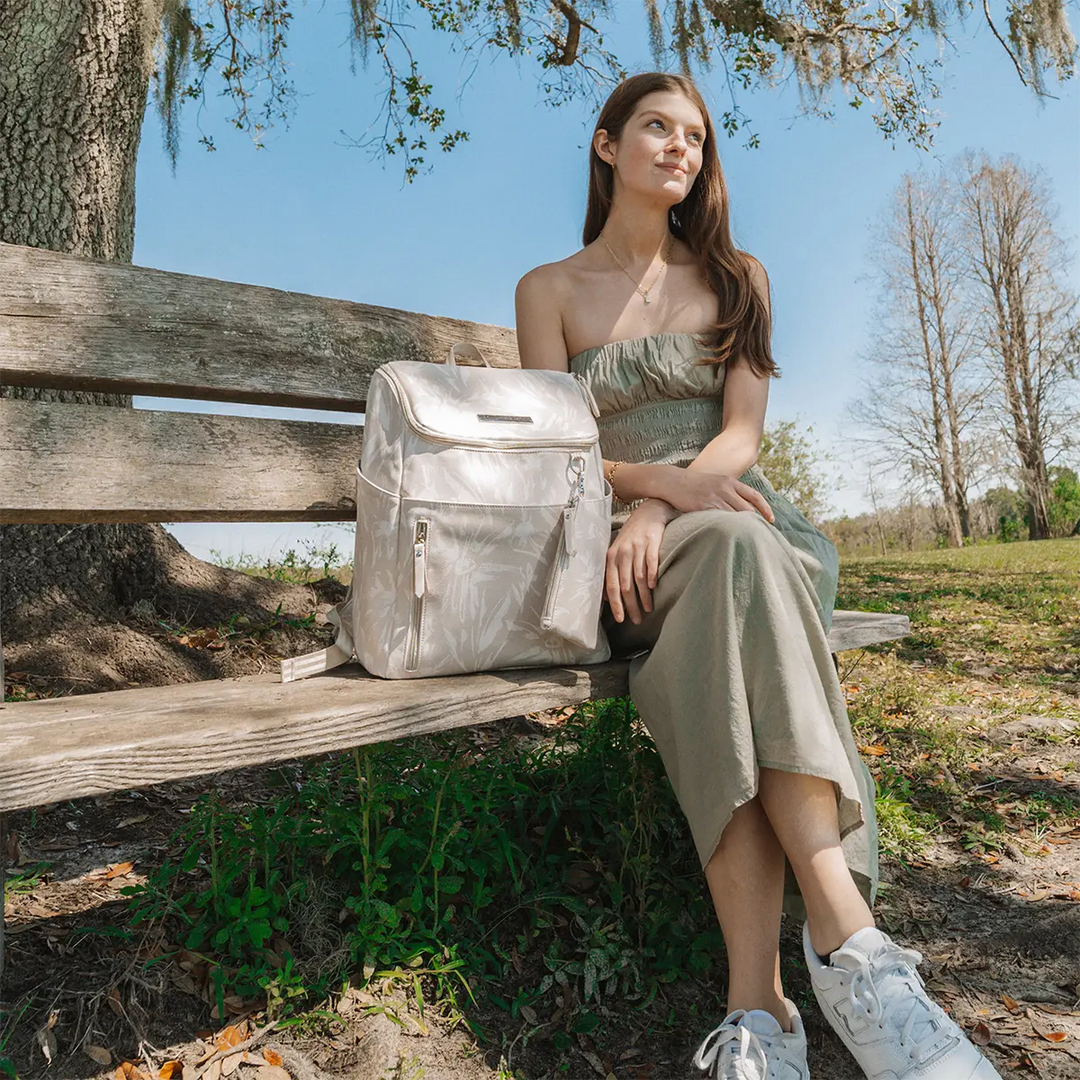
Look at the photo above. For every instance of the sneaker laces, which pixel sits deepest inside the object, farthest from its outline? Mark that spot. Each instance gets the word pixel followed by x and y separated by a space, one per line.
pixel 748 1051
pixel 881 985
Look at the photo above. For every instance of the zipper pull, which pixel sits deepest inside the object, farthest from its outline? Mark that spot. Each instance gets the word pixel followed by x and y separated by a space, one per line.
pixel 569 535
pixel 419 562
pixel 594 408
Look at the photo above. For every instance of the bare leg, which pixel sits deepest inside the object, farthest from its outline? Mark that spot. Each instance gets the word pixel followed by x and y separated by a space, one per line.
pixel 746 879
pixel 802 812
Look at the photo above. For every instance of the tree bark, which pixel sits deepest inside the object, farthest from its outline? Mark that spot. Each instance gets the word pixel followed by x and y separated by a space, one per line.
pixel 74 76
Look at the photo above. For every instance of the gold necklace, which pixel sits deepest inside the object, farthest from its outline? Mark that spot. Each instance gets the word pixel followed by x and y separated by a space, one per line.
pixel 663 263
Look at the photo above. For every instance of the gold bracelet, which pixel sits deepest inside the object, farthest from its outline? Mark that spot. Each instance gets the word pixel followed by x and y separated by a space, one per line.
pixel 611 477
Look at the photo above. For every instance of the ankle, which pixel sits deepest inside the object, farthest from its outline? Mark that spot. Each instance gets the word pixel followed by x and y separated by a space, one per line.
pixel 769 1003
pixel 828 934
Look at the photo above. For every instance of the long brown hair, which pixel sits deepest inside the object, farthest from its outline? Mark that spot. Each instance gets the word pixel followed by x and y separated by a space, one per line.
pixel 701 220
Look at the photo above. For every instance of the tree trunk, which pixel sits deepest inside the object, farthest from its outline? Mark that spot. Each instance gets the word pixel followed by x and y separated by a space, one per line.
pixel 943 461
pixel 77 602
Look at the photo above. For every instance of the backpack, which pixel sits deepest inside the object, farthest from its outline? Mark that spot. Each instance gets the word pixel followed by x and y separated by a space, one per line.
pixel 483 520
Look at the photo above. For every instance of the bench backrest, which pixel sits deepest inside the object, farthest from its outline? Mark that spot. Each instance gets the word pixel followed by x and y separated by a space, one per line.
pixel 73 323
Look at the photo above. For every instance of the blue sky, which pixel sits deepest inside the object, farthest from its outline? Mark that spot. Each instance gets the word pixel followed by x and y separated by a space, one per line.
pixel 312 214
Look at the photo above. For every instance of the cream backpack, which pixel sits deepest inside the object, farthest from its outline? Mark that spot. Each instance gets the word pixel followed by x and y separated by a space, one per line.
pixel 483 520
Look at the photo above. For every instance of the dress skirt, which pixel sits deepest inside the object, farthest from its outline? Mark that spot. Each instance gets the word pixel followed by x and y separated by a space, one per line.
pixel 738 674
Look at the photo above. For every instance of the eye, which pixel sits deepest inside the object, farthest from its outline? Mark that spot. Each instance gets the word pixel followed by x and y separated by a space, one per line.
pixel 695 134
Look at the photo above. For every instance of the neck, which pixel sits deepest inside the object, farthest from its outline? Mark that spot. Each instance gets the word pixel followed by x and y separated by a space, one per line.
pixel 639 237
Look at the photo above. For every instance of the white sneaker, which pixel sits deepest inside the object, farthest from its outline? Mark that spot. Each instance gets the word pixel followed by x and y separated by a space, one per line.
pixel 751 1045
pixel 873 997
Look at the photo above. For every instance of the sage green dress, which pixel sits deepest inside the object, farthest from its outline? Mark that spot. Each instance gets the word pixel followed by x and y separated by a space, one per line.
pixel 732 669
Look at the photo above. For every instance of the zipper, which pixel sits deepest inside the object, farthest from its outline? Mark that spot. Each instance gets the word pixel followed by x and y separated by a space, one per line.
pixel 419 590
pixel 567 545
pixel 437 436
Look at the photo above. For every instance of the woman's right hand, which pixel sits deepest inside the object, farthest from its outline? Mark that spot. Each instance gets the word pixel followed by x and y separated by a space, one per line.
pixel 696 489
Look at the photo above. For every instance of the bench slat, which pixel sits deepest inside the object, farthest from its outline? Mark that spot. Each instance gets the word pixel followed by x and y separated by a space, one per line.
pixel 66 748
pixel 83 463
pixel 85 324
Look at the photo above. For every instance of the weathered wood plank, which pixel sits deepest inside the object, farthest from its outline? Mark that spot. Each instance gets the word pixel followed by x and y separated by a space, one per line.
pixel 66 748
pixel 86 324
pixel 856 629
pixel 70 747
pixel 83 463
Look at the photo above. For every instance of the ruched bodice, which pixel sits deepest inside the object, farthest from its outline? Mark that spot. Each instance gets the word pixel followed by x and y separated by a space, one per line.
pixel 660 404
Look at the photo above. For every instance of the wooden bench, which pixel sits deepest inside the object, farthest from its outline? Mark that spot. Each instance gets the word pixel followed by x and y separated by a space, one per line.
pixel 83 324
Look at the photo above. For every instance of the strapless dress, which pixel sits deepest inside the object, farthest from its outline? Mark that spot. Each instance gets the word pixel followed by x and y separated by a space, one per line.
pixel 732 670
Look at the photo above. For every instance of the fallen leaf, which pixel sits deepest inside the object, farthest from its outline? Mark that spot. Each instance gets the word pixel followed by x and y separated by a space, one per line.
pixel 1010 1003
pixel 47 1041
pixel 981 1035
pixel 171 1070
pixel 127 1071
pixel 273 1058
pixel 1054 1036
pixel 99 1053
pixel 138 820
pixel 874 751
pixel 272 1072
pixel 113 998
pixel 229 1037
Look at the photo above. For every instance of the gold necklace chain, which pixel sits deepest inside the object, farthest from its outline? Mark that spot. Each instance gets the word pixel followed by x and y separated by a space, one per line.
pixel 663 263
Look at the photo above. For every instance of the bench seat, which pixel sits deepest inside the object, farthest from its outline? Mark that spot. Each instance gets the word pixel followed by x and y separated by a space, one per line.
pixel 88 744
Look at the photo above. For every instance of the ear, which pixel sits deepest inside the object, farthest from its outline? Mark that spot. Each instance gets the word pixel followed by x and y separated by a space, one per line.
pixel 603 146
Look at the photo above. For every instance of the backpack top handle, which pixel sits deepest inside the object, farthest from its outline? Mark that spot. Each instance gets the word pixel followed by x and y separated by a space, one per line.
pixel 467 349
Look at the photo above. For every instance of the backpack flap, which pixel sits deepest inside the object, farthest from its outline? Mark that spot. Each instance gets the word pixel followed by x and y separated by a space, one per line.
pixel 494 407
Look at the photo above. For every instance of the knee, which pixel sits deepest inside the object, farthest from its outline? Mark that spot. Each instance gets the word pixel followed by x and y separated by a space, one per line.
pixel 746 526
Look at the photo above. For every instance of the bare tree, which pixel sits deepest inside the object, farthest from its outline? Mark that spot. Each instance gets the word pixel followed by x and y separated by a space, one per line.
pixel 921 403
pixel 1026 321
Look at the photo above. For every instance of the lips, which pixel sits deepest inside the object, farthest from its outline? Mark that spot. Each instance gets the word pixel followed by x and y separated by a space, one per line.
pixel 674 168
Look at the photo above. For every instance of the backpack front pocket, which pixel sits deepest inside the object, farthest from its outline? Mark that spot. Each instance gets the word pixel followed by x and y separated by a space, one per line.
pixel 480 581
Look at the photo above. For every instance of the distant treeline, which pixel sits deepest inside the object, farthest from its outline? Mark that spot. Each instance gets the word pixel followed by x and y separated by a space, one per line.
pixel 999 515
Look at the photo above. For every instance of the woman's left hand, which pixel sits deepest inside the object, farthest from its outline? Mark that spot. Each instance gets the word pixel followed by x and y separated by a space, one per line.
pixel 633 559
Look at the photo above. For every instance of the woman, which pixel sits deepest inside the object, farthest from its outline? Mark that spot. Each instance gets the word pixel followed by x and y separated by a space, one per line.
pixel 729 592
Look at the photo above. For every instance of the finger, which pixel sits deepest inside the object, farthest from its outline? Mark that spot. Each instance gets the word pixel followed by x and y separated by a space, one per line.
pixel 611 588
pixel 652 563
pixel 628 590
pixel 759 501
pixel 641 579
pixel 633 608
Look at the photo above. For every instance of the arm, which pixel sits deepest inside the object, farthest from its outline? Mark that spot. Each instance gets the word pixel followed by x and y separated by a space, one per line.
pixel 732 451
pixel 537 313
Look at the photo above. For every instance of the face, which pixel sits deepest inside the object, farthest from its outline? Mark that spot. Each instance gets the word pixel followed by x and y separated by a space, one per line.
pixel 661 145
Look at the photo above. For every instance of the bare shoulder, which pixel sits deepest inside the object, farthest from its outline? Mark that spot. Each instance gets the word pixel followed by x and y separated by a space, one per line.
pixel 546 279
pixel 538 306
